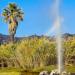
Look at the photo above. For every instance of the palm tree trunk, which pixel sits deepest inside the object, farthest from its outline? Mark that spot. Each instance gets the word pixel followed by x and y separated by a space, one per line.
pixel 11 38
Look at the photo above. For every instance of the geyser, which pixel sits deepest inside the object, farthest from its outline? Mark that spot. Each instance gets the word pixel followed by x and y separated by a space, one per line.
pixel 58 38
pixel 57 29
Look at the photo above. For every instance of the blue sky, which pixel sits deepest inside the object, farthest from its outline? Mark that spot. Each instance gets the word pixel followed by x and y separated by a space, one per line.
pixel 37 18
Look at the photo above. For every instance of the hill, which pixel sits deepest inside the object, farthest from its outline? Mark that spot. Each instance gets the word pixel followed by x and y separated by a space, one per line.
pixel 5 38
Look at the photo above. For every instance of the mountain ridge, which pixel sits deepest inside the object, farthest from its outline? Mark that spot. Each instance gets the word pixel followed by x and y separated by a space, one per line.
pixel 4 37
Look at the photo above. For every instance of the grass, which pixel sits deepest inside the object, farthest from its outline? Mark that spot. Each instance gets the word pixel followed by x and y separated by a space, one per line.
pixel 70 69
pixel 10 70
pixel 9 73
pixel 52 67
pixel 47 68
pixel 13 71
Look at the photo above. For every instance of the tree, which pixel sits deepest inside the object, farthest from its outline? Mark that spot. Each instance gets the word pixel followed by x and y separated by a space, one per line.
pixel 12 15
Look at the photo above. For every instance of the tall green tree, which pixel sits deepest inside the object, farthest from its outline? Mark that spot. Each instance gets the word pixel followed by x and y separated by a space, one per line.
pixel 12 15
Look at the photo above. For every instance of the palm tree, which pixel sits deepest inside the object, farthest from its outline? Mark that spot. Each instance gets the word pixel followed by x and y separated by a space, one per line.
pixel 12 15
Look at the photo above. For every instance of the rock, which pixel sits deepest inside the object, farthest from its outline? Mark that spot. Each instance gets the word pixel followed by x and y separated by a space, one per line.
pixel 64 73
pixel 54 72
pixel 44 73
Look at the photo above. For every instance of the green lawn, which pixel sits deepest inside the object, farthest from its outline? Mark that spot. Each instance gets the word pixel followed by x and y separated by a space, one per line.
pixel 52 67
pixel 70 69
pixel 9 71
pixel 47 68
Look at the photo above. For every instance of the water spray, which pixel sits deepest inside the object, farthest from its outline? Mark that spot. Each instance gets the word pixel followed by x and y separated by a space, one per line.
pixel 57 28
pixel 58 38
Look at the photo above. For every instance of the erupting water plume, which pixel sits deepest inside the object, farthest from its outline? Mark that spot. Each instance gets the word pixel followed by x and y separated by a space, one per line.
pixel 57 28
pixel 59 38
pixel 57 23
